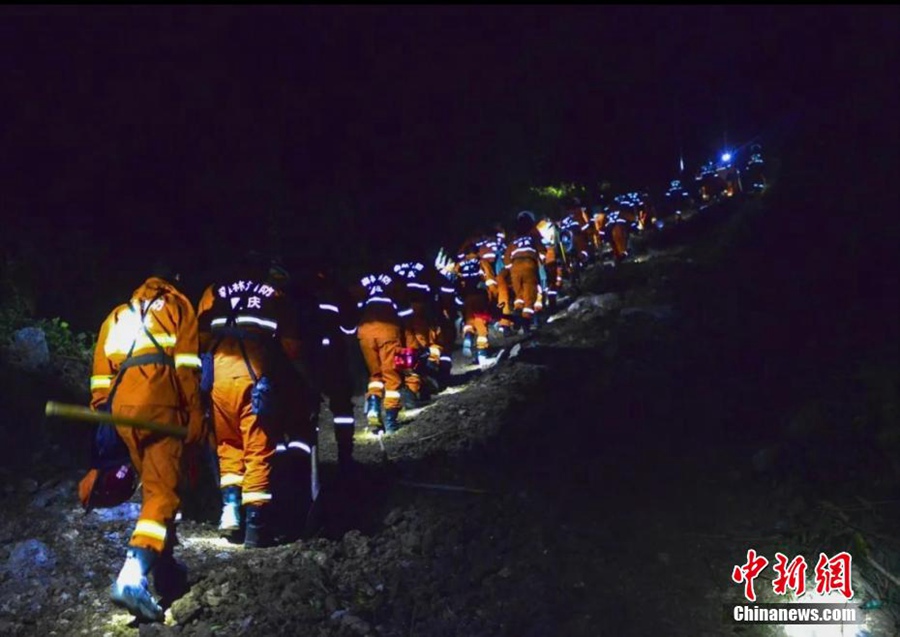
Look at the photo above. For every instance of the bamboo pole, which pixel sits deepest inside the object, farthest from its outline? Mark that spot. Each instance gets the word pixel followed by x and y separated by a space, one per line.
pixel 86 414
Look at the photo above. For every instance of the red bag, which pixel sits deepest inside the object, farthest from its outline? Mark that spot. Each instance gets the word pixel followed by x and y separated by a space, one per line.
pixel 405 358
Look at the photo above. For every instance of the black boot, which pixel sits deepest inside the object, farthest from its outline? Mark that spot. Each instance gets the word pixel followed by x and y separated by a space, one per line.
pixel 258 531
pixel 170 579
pixel 391 423
pixel 169 575
pixel 445 373
pixel 131 589
pixel 411 399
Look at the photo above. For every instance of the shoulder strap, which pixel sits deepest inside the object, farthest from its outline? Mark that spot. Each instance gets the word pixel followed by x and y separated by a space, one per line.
pixel 144 359
pixel 231 330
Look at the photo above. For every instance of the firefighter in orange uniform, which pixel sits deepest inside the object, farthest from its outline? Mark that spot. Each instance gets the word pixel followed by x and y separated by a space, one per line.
pixel 379 297
pixel 524 258
pixel 578 224
pixel 249 342
pixel 422 329
pixel 473 277
pixel 491 249
pixel 146 367
pixel 554 263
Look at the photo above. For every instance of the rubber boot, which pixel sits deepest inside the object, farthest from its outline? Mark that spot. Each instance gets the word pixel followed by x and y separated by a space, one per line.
pixel 467 346
pixel 445 372
pixel 391 423
pixel 258 532
pixel 481 357
pixel 526 325
pixel 230 520
pixel 131 589
pixel 373 411
pixel 411 399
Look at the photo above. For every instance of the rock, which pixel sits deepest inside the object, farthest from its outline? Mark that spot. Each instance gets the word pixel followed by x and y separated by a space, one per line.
pixel 213 598
pixel 355 544
pixel 202 629
pixel 29 559
pixel 604 303
pixel 411 541
pixel 393 517
pixel 155 630
pixel 54 494
pixel 354 623
pixel 29 344
pixel 185 609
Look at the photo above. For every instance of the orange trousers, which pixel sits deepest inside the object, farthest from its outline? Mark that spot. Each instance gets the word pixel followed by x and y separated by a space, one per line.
pixel 618 239
pixel 421 333
pixel 245 441
pixel 476 307
pixel 379 342
pixel 554 282
pixel 525 281
pixel 500 296
pixel 157 460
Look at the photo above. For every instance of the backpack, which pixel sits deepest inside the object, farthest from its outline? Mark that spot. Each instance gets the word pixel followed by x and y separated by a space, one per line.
pixel 262 395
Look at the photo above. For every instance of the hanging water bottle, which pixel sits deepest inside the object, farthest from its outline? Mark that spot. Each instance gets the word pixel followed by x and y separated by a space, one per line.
pixel 262 397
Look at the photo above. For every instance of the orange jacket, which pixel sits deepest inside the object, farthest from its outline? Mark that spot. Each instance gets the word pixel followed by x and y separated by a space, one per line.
pixel 529 246
pixel 473 275
pixel 256 313
pixel 381 298
pixel 168 375
pixel 480 241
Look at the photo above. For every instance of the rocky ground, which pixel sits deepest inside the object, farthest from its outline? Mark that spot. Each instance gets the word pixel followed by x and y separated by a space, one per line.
pixel 601 477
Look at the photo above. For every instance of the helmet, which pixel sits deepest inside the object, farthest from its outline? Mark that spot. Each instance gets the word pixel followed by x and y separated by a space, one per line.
pixel 525 221
pixel 107 487
pixel 525 214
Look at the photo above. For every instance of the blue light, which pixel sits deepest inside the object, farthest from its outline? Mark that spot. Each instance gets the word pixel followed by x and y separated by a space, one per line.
pixel 726 157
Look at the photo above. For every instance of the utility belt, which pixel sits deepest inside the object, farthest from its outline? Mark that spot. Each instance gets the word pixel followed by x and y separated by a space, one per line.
pixel 156 358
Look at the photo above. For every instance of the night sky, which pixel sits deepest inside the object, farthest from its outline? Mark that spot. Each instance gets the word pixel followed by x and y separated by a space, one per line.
pixel 373 132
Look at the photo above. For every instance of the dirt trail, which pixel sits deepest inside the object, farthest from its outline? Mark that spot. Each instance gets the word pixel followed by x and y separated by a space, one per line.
pixel 596 480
